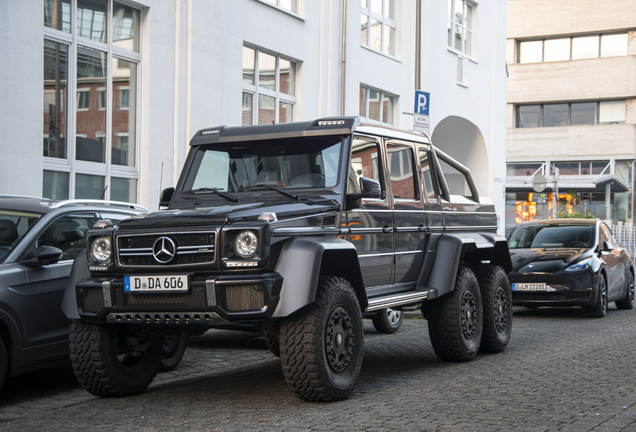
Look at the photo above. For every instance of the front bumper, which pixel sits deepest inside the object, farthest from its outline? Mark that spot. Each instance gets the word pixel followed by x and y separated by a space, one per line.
pixel 577 289
pixel 209 300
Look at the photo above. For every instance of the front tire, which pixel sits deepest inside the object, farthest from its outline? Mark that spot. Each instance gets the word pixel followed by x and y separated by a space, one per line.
pixel 4 363
pixel 600 310
pixel 496 296
pixel 388 320
pixel 455 321
pixel 630 295
pixel 101 365
pixel 321 350
pixel 272 340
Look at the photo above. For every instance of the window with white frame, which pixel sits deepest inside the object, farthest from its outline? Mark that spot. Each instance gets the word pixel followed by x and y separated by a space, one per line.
pixel 269 88
pixel 376 106
pixel 91 50
pixel 460 33
pixel 377 26
pixel 289 5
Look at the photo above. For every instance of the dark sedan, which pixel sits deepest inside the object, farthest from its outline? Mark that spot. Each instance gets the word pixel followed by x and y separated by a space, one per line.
pixel 569 262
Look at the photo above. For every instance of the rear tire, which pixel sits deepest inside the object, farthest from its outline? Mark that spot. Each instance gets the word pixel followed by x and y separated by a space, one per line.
pixel 388 320
pixel 104 371
pixel 321 350
pixel 174 347
pixel 273 342
pixel 496 296
pixel 630 295
pixel 455 321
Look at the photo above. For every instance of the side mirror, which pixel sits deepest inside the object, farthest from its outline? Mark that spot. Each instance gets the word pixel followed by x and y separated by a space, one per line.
pixel 44 255
pixel 370 188
pixel 166 197
pixel 607 246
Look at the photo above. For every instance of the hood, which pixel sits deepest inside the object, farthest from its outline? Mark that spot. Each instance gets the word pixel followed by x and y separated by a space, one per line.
pixel 545 260
pixel 228 213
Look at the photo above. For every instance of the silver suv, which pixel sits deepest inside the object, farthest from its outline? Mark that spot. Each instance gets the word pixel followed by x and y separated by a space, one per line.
pixel 39 240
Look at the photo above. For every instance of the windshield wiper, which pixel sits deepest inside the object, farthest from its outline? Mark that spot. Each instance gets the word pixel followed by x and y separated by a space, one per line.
pixel 217 191
pixel 274 188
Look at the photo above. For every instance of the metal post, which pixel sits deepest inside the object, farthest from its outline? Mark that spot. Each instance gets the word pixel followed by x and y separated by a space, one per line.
pixel 608 201
pixel 555 192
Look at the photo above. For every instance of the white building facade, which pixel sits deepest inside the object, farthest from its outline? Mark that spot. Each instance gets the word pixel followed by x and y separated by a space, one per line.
pixel 101 97
pixel 571 107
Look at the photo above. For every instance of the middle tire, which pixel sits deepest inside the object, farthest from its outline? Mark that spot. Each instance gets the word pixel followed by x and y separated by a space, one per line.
pixel 455 321
pixel 496 296
pixel 321 349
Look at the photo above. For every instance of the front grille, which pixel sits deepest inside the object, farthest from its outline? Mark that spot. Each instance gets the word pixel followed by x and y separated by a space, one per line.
pixel 195 298
pixel 249 297
pixel 92 300
pixel 191 249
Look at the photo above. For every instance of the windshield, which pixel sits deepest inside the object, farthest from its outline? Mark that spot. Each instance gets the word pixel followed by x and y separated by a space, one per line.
pixel 552 236
pixel 291 163
pixel 13 226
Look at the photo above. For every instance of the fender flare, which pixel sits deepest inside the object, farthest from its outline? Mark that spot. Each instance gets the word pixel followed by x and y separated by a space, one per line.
pixel 79 271
pixel 304 259
pixel 474 247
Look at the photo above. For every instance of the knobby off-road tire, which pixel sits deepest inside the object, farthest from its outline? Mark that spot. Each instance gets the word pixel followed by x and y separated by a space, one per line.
pixel 174 346
pixel 455 321
pixel 600 310
pixel 321 349
pixel 99 369
pixel 630 295
pixel 496 297
pixel 388 320
pixel 272 340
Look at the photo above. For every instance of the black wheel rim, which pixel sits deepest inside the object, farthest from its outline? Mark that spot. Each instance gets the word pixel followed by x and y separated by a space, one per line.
pixel 125 359
pixel 469 314
pixel 603 296
pixel 501 310
pixel 339 335
pixel 171 344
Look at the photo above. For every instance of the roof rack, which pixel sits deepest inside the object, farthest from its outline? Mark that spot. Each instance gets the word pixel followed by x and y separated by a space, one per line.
pixel 98 202
pixel 22 196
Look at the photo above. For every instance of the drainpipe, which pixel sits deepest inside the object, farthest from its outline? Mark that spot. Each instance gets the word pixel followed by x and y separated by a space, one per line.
pixel 344 57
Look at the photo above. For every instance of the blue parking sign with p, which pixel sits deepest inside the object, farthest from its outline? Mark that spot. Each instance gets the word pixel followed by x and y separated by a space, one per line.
pixel 422 102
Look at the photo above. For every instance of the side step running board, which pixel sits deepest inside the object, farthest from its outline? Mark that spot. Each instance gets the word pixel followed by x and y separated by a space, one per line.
pixel 396 300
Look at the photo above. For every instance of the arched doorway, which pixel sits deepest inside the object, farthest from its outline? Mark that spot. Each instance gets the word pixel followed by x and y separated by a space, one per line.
pixel 463 141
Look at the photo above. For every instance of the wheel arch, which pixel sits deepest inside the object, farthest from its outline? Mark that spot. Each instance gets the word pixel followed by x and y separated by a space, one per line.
pixel 301 263
pixel 468 250
pixel 12 341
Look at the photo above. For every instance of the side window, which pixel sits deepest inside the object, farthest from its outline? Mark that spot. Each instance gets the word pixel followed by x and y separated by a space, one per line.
pixel 400 161
pixel 606 234
pixel 427 177
pixel 68 233
pixel 365 162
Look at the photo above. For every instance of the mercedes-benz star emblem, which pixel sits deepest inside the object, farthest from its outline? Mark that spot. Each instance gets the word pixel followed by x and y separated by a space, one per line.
pixel 164 250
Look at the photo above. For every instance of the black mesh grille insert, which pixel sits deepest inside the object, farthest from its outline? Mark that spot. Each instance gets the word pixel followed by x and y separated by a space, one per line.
pixel 242 297
pixel 192 248
pixel 92 299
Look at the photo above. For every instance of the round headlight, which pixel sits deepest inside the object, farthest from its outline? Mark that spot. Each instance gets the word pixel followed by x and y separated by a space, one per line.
pixel 101 249
pixel 246 244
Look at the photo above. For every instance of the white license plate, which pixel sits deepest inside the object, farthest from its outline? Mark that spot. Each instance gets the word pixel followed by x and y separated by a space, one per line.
pixel 171 283
pixel 528 287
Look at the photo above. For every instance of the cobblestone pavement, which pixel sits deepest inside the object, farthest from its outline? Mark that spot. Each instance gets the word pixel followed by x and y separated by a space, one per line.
pixel 561 372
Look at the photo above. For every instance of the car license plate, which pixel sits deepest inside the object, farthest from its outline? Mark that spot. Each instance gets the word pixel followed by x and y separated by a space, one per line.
pixel 170 283
pixel 528 287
